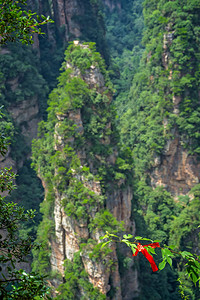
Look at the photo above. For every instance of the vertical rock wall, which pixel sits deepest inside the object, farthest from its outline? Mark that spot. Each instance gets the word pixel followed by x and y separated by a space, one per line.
pixel 91 192
pixel 176 168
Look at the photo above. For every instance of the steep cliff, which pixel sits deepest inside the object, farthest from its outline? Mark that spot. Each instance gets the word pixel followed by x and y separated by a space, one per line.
pixel 113 4
pixel 81 163
pixel 161 125
pixel 179 168
pixel 23 91
pixel 73 19
pixel 24 70
pixel 166 98
pixel 28 73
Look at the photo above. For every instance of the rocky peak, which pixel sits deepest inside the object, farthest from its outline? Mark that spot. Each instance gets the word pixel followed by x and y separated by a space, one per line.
pixel 92 195
pixel 176 168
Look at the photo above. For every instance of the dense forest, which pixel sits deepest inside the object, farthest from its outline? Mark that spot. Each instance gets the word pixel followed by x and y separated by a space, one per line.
pixel 101 116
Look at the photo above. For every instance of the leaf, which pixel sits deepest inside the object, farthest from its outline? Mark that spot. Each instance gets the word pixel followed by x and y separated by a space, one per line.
pixel 110 234
pixel 129 236
pixel 169 260
pixel 133 250
pixel 166 252
pixel 104 244
pixel 162 265
pixel 185 254
pixel 104 237
pixel 172 247
pixel 126 242
pixel 142 239
pixel 150 250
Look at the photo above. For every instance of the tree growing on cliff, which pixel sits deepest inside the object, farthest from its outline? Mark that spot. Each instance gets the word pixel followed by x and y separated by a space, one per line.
pixel 17 23
pixel 14 283
pixel 190 262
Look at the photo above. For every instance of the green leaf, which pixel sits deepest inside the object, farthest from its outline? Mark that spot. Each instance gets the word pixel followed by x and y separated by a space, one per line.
pixel 169 260
pixel 150 250
pixel 104 244
pixel 104 237
pixel 142 239
pixel 185 254
pixel 172 247
pixel 126 242
pixel 133 249
pixel 166 252
pixel 162 265
pixel 129 236
pixel 111 234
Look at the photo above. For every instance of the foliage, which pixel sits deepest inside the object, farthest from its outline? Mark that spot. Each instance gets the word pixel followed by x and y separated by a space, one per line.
pixel 15 284
pixel 176 223
pixel 45 230
pixel 92 26
pixel 29 194
pixel 76 277
pixel 17 23
pixel 164 91
pixel 124 34
pixel 162 103
pixel 19 68
pixel 80 123
pixel 191 261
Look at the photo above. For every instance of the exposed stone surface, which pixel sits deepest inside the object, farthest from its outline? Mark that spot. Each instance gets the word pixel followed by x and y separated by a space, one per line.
pixel 112 4
pixel 69 231
pixel 64 11
pixel 119 203
pixel 7 162
pixel 25 114
pixel 176 170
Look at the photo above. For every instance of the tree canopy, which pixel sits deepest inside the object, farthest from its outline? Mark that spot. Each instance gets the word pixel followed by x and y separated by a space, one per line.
pixel 16 23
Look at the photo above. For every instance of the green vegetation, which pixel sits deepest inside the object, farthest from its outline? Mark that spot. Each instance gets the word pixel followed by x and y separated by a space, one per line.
pixel 168 72
pixel 17 23
pixel 79 123
pixel 78 148
pixel 15 283
pixel 76 278
pixel 124 25
pixel 20 77
pixel 93 26
pixel 191 261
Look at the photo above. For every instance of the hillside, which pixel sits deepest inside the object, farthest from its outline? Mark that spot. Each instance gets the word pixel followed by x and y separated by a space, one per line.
pixel 115 141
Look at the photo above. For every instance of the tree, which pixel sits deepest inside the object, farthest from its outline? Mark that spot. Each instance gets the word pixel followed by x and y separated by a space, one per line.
pixel 15 284
pixel 17 23
pixel 191 262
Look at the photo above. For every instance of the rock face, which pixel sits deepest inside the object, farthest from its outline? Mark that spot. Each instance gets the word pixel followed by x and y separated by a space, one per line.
pixel 75 19
pixel 175 169
pixel 112 4
pixel 25 114
pixel 86 196
pixel 69 231
pixel 64 11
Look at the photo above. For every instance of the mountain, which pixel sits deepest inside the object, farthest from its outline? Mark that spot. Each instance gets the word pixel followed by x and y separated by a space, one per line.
pixel 86 179
pixel 107 152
